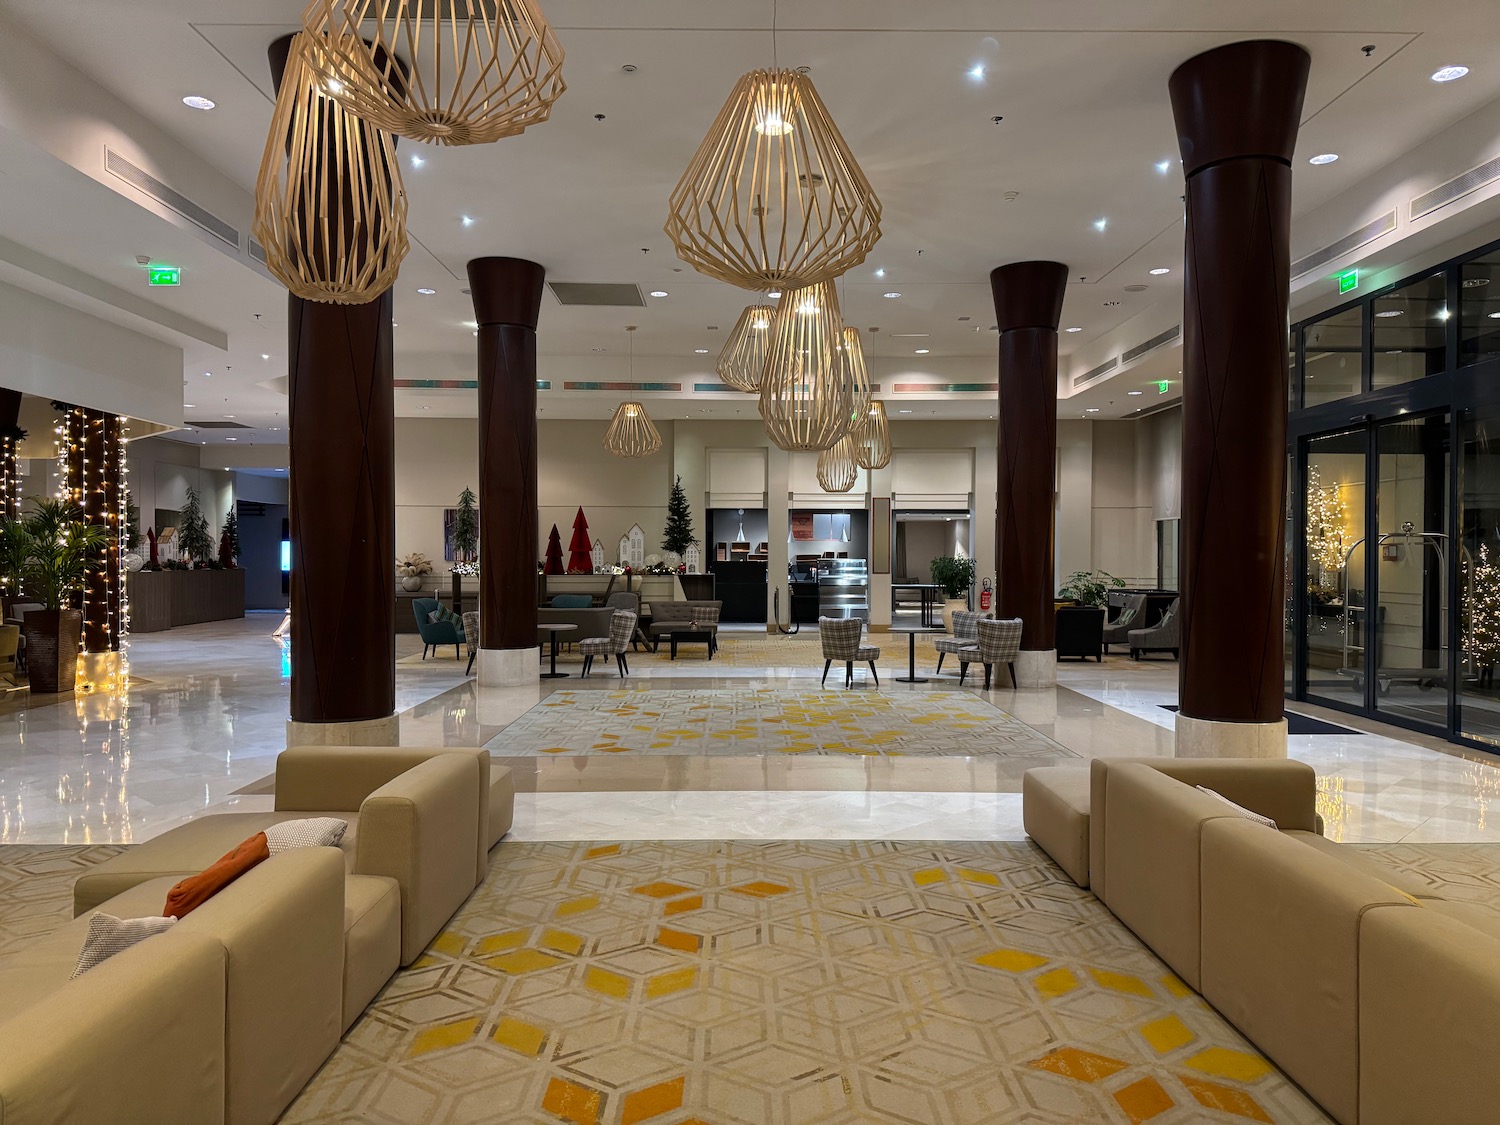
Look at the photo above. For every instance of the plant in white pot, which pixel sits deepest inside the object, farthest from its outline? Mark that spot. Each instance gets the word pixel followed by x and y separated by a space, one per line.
pixel 411 569
pixel 60 548
pixel 955 576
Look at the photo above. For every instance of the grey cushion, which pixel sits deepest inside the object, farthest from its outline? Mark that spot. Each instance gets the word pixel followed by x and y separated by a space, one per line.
pixel 108 935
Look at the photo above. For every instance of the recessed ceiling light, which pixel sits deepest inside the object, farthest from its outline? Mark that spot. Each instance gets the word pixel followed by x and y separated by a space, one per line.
pixel 1158 271
pixel 659 293
pixel 467 220
pixel 1091 410
pixel 1383 313
pixel 1449 73
pixel 425 293
pixel 1134 393
pixel 426 408
pixel 417 161
pixel 1072 329
pixel 700 351
pixel 232 439
pixel 471 324
pixel 1100 224
pixel 890 296
pixel 208 374
pixel 923 351
pixel 194 405
pixel 1323 158
pixel 903 412
pixel 229 415
pixel 774 294
pixel 265 355
pixel 275 429
pixel 976 71
pixel 281 470
pixel 880 272
pixel 1164 166
pixel 196 101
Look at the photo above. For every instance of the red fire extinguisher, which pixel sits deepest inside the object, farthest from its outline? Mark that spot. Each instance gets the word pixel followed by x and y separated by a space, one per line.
pixel 986 596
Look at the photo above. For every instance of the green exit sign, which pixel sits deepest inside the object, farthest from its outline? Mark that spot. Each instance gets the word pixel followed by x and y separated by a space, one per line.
pixel 1348 281
pixel 1163 387
pixel 164 275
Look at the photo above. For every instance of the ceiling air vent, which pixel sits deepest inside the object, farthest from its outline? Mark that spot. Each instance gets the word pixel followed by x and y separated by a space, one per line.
pixel 1095 373
pixel 1350 242
pixel 1152 344
pixel 257 251
pixel 214 424
pixel 1444 194
pixel 142 180
pixel 597 293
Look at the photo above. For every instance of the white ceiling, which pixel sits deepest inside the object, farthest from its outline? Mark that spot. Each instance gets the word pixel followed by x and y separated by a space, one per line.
pixel 1081 85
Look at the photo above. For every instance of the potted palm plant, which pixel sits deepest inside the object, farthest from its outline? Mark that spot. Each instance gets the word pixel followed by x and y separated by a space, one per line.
pixel 955 576
pixel 60 547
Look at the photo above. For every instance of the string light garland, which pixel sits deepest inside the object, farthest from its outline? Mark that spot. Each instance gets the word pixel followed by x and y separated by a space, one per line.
pixel 837 470
pixel 1327 524
pixel 10 472
pixel 773 198
pixel 872 438
pixel 805 399
pixel 1481 614
pixel 330 208
pixel 480 69
pixel 744 356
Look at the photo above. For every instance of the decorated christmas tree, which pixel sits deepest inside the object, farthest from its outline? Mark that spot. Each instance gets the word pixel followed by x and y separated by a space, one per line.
pixel 678 535
pixel 580 547
pixel 195 541
pixel 554 554
pixel 1327 524
pixel 1482 614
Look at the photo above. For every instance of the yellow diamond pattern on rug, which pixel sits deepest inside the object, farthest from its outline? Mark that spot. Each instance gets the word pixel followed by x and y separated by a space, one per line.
pixel 744 721
pixel 853 994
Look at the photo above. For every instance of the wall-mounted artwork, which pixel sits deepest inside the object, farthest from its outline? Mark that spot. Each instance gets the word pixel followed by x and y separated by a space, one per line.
pixel 450 515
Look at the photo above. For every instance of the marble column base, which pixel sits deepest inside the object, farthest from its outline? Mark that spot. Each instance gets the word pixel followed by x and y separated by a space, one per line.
pixel 365 732
pixel 1209 738
pixel 507 667
pixel 1036 669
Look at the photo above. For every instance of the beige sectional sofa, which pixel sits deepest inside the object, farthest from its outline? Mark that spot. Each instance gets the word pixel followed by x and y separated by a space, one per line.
pixel 228 1014
pixel 1376 996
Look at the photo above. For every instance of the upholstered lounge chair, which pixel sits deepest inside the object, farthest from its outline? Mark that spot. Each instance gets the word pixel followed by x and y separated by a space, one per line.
pixel 1132 615
pixel 1161 637
pixel 965 634
pixel 435 633
pixel 841 642
pixel 617 644
pixel 999 643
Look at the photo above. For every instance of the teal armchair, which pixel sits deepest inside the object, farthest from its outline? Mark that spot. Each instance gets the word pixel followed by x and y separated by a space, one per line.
pixel 435 633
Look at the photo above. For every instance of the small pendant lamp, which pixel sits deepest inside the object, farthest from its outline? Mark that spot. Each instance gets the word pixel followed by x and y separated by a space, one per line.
pixel 872 438
pixel 744 355
pixel 805 399
pixel 837 470
pixel 631 432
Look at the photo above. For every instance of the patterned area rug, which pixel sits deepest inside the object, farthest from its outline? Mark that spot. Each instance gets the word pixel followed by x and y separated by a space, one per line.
pixel 36 886
pixel 773 721
pixel 786 984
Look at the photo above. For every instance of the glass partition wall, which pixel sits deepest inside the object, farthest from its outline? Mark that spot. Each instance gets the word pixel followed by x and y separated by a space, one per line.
pixel 1393 545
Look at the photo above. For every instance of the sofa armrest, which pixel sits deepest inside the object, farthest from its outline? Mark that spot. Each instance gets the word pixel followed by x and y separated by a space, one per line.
pixel 281 925
pixel 140 1037
pixel 422 830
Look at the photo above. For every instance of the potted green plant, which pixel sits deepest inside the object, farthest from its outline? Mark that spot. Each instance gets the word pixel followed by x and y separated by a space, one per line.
pixel 955 576
pixel 60 548
pixel 1090 587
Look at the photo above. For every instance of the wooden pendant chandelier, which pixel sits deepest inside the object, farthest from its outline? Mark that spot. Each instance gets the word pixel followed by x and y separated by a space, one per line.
pixel 631 432
pixel 805 399
pixel 744 355
pixel 856 375
pixel 480 69
pixel 330 208
pixel 872 438
pixel 773 198
pixel 837 470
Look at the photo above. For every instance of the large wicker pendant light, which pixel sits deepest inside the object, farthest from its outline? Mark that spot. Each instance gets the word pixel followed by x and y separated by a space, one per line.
pixel 744 355
pixel 837 470
pixel 631 432
pixel 856 375
pixel 480 69
pixel 872 438
pixel 805 399
pixel 773 198
pixel 330 209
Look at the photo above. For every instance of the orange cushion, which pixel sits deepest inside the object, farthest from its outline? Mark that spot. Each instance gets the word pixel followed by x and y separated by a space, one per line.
pixel 197 889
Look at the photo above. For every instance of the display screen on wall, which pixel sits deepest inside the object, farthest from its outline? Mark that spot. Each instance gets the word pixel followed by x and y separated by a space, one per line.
pixel 802 527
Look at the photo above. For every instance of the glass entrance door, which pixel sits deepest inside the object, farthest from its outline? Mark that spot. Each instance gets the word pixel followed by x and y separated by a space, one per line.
pixel 1334 587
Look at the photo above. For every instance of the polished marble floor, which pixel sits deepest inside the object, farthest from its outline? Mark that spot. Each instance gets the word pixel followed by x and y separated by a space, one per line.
pixel 205 717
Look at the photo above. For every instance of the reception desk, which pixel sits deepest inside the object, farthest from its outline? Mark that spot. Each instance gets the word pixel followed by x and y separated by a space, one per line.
pixel 164 599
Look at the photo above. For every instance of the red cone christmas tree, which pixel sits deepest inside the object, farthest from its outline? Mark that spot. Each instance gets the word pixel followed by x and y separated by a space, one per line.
pixel 554 554
pixel 580 547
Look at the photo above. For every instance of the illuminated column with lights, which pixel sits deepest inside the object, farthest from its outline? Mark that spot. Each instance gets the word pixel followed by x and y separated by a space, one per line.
pixel 11 436
pixel 342 439
pixel 1028 304
pixel 1237 110
pixel 507 301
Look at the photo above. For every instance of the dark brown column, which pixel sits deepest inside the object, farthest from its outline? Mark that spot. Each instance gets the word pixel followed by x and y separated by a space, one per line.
pixel 1028 303
pixel 1237 110
pixel 342 437
pixel 507 300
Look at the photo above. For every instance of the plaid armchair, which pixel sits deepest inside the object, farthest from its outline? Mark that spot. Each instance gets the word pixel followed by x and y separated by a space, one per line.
pixel 999 643
pixel 471 637
pixel 617 644
pixel 965 633
pixel 841 642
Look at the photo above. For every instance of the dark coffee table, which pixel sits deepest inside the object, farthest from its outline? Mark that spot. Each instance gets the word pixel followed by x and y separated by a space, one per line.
pixel 691 633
